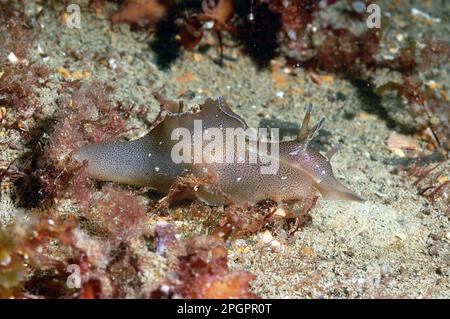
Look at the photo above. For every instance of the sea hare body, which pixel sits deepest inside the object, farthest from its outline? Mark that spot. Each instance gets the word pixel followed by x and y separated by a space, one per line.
pixel 199 144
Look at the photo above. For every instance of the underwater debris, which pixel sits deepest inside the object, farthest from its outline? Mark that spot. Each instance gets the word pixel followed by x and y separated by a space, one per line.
pixel 397 141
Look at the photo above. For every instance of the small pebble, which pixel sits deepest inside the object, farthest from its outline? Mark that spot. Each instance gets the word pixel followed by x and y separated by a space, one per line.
pixel 436 236
pixel 323 4
pixel 76 54
pixel 433 250
pixel 331 98
pixel 280 212
pixel 208 25
pixel 279 94
pixel 385 270
pixel 143 82
pixel 2 113
pixel 6 259
pixel 359 6
pixel 400 37
pixel 400 236
pixel 341 96
pixel 266 237
pixel 112 64
pixel 12 58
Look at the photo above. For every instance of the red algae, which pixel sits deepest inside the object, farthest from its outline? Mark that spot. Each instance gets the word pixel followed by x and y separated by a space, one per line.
pixel 22 253
pixel 19 80
pixel 202 272
pixel 48 171
pixel 143 12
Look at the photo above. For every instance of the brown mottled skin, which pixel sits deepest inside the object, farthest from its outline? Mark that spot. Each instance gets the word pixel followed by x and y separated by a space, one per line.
pixel 147 162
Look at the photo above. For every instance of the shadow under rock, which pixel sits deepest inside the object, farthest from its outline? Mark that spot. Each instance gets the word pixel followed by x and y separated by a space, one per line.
pixel 371 103
pixel 165 45
pixel 259 36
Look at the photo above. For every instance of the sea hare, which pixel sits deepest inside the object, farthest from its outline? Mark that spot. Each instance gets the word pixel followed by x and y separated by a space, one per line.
pixel 215 142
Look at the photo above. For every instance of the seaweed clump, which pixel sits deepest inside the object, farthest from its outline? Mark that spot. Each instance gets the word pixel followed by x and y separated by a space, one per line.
pixel 431 182
pixel 25 249
pixel 19 78
pixel 201 271
pixel 430 110
pixel 46 172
